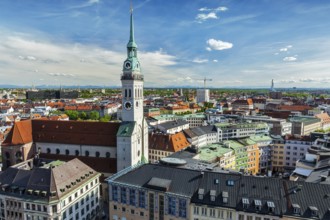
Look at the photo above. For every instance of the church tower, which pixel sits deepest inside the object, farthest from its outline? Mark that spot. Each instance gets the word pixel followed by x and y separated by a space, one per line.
pixel 132 136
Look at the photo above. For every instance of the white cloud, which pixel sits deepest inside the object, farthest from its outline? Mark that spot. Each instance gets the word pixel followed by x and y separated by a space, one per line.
pixel 289 59
pixel 288 81
pixel 285 49
pixel 221 8
pixel 204 17
pixel 31 58
pixel 218 45
pixel 63 63
pixel 215 61
pixel 197 60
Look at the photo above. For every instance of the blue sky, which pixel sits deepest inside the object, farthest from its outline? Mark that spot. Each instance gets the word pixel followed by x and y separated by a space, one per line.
pixel 236 43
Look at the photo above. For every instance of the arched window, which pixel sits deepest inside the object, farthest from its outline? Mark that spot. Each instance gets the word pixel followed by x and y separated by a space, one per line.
pixel 86 153
pixel 58 151
pixel 48 151
pixel 97 154
pixel 18 154
pixel 129 93
pixel 67 152
pixel 107 154
pixel 77 152
pixel 125 93
pixel 7 155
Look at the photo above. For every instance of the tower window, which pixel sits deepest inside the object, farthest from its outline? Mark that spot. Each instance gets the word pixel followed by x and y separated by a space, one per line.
pixel 86 153
pixel 58 151
pixel 77 152
pixel 107 154
pixel 97 154
pixel 67 152
pixel 125 93
pixel 129 93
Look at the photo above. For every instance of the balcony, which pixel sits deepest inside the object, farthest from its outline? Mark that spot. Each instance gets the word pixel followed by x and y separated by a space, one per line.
pixel 132 77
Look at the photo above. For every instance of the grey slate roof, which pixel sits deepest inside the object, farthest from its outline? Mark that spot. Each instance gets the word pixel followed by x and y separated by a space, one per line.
pixel 219 183
pixel 183 181
pixel 202 130
pixel 276 196
pixel 307 195
pixel 264 190
pixel 45 183
pixel 173 124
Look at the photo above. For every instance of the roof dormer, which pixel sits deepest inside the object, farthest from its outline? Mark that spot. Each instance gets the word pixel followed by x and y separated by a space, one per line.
pixel 245 202
pixel 200 194
pixel 212 195
pixel 296 209
pixel 225 197
pixel 271 206
pixel 314 211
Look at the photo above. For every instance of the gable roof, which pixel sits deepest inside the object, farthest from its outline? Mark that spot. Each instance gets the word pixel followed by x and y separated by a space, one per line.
pixel 45 182
pixel 64 132
pixel 75 132
pixel 21 133
pixel 168 142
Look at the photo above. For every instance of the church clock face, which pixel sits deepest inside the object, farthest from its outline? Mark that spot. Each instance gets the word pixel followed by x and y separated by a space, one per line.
pixel 128 105
pixel 127 65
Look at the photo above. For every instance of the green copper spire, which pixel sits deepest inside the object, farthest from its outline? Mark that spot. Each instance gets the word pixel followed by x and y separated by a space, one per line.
pixel 131 42
pixel 131 64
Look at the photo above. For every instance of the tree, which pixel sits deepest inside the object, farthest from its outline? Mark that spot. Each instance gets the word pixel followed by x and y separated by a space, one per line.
pixel 83 115
pixel 73 115
pixel 106 118
pixel 94 115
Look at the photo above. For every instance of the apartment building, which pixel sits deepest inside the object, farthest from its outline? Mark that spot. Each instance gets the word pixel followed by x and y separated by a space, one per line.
pixel 217 153
pixel 277 126
pixel 241 155
pixel 163 145
pixel 304 125
pixel 201 136
pixel 154 191
pixel 252 150
pixel 42 189
pixel 242 104
pixel 264 144
pixel 194 120
pixel 172 127
pixel 295 148
pixel 239 130
pixel 277 156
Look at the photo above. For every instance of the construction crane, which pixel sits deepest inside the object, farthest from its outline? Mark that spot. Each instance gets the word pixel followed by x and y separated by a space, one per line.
pixel 205 79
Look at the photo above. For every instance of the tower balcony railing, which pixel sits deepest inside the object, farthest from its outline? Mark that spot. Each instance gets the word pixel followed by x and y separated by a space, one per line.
pixel 132 77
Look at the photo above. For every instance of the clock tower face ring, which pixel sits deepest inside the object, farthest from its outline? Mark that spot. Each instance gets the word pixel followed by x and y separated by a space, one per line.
pixel 128 105
pixel 127 64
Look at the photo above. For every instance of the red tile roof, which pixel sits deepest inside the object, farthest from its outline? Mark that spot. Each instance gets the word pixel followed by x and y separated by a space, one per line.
pixel 66 132
pixel 168 142
pixel 295 107
pixel 21 133
pixel 75 132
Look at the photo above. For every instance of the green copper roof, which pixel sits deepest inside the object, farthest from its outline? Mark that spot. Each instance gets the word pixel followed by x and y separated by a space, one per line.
pixel 131 42
pixel 212 152
pixel 126 129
